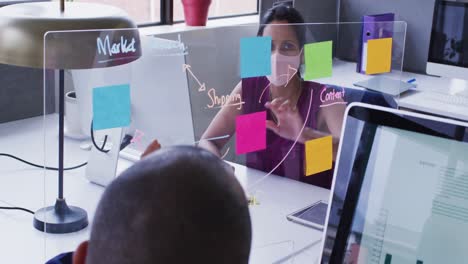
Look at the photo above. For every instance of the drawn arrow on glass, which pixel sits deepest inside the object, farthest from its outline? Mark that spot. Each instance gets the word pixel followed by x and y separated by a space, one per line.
pixel 289 75
pixel 186 67
pixel 260 99
pixel 249 188
pixel 213 138
pixel 137 137
pixel 225 154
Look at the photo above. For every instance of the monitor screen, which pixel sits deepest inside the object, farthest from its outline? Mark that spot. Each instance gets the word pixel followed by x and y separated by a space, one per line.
pixel 449 39
pixel 412 205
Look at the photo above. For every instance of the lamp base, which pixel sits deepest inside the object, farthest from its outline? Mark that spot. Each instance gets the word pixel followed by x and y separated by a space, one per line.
pixel 60 219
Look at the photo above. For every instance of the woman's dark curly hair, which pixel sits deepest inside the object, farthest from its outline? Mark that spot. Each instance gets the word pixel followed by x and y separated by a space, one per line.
pixel 284 13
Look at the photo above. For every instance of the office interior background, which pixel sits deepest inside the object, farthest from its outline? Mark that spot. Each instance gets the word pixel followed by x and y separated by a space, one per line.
pixel 24 93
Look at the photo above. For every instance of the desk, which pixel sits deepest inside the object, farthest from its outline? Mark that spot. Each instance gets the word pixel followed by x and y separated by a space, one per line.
pixel 21 185
pixel 344 74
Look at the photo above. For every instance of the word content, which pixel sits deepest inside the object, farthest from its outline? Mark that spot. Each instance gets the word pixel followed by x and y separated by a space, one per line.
pixel 332 97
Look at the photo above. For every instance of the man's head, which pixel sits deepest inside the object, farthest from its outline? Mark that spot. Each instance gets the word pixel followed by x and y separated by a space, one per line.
pixel 178 205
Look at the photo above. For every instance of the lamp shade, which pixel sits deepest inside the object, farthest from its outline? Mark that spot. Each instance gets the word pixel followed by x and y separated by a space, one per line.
pixel 23 29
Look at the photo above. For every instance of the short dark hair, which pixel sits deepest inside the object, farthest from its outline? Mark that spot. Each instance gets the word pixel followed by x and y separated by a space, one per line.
pixel 178 205
pixel 284 13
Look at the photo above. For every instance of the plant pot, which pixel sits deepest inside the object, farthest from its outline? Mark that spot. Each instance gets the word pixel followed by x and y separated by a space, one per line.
pixel 196 12
pixel 72 117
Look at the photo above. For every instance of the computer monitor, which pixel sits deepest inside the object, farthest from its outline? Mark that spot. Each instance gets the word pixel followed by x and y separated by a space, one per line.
pixel 160 105
pixel 448 52
pixel 160 102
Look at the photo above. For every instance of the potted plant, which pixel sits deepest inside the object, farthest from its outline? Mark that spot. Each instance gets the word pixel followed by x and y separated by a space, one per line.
pixel 196 12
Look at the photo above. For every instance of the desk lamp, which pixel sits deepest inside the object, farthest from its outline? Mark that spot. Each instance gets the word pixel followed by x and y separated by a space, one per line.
pixel 22 30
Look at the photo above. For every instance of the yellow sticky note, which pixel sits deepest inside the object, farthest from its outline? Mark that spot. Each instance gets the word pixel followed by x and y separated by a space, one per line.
pixel 379 55
pixel 318 155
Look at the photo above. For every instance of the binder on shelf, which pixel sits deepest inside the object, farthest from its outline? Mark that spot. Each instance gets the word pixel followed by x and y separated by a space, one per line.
pixel 373 27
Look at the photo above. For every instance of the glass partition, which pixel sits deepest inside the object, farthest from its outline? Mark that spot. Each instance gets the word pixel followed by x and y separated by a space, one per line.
pixel 90 99
pixel 268 99
pixel 225 71
pixel 313 71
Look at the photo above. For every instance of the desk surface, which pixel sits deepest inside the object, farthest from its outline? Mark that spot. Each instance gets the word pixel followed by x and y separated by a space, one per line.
pixel 274 237
pixel 344 74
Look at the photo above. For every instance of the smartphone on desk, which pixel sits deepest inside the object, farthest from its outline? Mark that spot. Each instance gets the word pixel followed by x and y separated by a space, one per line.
pixel 312 216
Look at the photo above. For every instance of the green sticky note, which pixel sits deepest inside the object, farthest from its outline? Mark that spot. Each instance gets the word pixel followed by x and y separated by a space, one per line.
pixel 318 60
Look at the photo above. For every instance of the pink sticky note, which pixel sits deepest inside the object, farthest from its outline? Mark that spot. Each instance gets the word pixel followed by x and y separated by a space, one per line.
pixel 250 132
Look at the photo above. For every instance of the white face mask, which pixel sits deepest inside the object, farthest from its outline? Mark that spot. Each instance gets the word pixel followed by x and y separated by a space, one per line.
pixel 282 68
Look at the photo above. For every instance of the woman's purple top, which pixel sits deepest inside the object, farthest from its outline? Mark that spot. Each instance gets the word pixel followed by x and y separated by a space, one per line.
pixel 277 147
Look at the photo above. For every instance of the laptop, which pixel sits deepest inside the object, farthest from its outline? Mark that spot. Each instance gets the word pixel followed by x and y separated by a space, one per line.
pixel 400 190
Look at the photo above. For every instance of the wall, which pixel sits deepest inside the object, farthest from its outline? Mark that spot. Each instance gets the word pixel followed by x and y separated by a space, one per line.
pixel 22 93
pixel 313 11
pixel 21 89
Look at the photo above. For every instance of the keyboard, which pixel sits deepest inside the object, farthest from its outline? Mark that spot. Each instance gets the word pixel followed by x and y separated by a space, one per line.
pixel 446 105
pixel 447 98
pixel 130 154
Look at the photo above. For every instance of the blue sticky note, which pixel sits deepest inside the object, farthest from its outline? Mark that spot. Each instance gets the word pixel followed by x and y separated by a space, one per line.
pixel 255 56
pixel 111 106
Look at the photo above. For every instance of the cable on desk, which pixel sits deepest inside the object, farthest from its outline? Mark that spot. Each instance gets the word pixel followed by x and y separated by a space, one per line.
pixel 101 149
pixel 17 208
pixel 53 168
pixel 41 166
pixel 124 144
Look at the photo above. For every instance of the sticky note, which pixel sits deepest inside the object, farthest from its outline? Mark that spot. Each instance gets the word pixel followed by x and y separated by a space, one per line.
pixel 255 57
pixel 111 106
pixel 318 60
pixel 250 132
pixel 318 155
pixel 379 55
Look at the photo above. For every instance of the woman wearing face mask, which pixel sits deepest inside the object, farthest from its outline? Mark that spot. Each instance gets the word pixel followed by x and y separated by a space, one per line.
pixel 286 98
